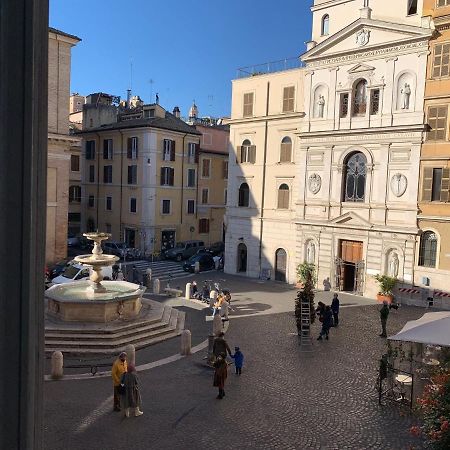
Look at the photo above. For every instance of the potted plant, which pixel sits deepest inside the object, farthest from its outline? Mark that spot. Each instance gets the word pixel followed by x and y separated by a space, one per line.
pixel 305 271
pixel 386 285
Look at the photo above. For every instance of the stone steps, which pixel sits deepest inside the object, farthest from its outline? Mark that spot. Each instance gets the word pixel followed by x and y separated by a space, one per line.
pixel 98 342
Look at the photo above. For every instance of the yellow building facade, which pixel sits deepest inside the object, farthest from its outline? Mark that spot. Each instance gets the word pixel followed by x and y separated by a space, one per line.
pixel 433 253
pixel 140 181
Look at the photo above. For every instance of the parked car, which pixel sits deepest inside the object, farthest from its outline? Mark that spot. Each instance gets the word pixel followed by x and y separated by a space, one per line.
pixel 184 250
pixel 217 248
pixel 206 262
pixel 116 248
pixel 73 240
pixel 58 268
pixel 77 272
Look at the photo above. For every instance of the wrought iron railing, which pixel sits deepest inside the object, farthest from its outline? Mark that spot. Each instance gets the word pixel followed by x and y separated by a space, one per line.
pixel 269 67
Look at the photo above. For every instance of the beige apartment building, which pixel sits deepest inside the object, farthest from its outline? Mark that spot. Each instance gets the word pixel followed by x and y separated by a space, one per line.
pixel 433 252
pixel 140 176
pixel 59 143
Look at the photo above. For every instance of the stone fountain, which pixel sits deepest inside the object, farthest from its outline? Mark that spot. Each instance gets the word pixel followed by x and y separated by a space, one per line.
pixel 95 300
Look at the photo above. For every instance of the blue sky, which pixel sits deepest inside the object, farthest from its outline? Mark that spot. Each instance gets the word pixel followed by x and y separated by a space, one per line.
pixel 190 49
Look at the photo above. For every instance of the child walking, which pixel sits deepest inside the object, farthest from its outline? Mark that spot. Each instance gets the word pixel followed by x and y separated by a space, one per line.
pixel 238 360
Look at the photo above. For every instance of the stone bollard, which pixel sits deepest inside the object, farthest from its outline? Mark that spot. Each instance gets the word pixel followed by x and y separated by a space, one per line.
pixel 197 267
pixel 216 263
pixel 188 291
pixel 217 324
pixel 156 286
pixel 149 277
pixel 57 365
pixel 185 342
pixel 212 298
pixel 130 350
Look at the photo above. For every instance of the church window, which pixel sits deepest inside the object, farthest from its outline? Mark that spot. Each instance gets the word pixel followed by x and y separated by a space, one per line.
pixel 246 153
pixel 375 101
pixel 428 249
pixel 412 7
pixel 325 27
pixel 244 195
pixel 283 197
pixel 343 106
pixel 288 99
pixel 355 178
pixel 360 98
pixel 248 104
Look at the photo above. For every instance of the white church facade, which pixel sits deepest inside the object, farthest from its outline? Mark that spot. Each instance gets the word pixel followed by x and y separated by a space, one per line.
pixel 356 137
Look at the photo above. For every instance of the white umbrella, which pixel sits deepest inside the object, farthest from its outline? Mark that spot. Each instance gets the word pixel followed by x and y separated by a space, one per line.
pixel 432 328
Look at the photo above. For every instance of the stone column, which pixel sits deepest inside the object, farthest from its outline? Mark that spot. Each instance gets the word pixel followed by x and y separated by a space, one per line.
pixel 187 294
pixel 156 286
pixel 57 365
pixel 185 342
pixel 131 354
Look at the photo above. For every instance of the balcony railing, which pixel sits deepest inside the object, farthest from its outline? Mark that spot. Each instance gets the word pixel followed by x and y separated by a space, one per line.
pixel 269 67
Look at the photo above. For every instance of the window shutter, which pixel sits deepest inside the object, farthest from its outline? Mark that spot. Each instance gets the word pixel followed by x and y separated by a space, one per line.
pixel 252 154
pixel 161 181
pixel 172 150
pixel 427 184
pixel 239 154
pixel 129 148
pixel 165 144
pixel 171 176
pixel 137 147
pixel 445 185
pixel 197 151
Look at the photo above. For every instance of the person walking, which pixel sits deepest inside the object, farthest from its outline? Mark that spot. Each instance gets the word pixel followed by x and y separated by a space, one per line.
pixel 220 374
pixel 220 346
pixel 131 395
pixel 118 369
pixel 384 313
pixel 225 309
pixel 218 304
pixel 335 309
pixel 238 360
pixel 326 324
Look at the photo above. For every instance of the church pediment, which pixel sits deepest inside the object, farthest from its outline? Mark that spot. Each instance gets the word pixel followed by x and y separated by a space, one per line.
pixel 351 219
pixel 360 68
pixel 364 34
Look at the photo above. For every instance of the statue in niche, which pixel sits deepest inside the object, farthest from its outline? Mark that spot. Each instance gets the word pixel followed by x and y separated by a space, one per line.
pixel 310 253
pixel 393 264
pixel 320 106
pixel 406 94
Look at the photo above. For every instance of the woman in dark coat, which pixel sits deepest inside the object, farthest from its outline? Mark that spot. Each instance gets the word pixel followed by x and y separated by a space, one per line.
pixel 220 374
pixel 131 397
pixel 326 324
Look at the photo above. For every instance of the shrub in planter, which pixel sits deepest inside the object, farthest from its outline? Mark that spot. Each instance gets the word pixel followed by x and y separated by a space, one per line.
pixel 434 407
pixel 307 293
pixel 386 285
pixel 306 271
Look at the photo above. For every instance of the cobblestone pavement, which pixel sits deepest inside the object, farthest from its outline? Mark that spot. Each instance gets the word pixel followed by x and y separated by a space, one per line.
pixel 283 400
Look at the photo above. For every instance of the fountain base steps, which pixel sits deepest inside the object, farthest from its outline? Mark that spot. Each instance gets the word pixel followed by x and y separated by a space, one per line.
pixel 156 323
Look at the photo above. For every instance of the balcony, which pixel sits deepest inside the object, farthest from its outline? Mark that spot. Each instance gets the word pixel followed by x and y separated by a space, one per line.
pixel 270 67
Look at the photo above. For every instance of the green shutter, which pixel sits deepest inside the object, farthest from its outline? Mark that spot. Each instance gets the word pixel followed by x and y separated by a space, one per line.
pixel 427 185
pixel 445 185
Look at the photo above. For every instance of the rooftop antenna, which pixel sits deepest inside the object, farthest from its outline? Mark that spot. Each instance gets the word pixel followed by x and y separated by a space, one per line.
pixel 131 74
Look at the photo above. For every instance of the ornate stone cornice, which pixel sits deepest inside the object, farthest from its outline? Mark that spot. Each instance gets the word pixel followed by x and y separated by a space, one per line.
pixel 369 54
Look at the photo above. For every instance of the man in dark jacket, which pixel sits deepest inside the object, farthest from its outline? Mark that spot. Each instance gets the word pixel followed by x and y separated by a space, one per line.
pixel 335 309
pixel 220 345
pixel 326 324
pixel 384 313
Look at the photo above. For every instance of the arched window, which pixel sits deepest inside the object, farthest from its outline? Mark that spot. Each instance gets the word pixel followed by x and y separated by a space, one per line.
pixel 360 98
pixel 325 25
pixel 286 150
pixel 355 178
pixel 247 152
pixel 428 249
pixel 244 195
pixel 283 197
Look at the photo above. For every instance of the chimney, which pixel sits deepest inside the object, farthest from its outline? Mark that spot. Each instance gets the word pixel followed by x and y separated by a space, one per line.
pixel 176 112
pixel 128 98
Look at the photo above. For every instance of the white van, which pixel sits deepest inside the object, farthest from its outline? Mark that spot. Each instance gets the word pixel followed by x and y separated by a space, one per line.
pixel 77 272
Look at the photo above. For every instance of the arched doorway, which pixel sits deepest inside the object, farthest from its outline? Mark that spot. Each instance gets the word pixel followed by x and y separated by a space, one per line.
pixel 242 258
pixel 280 265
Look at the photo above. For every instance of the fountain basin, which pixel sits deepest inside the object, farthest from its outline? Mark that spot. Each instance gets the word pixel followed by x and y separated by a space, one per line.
pixel 74 302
